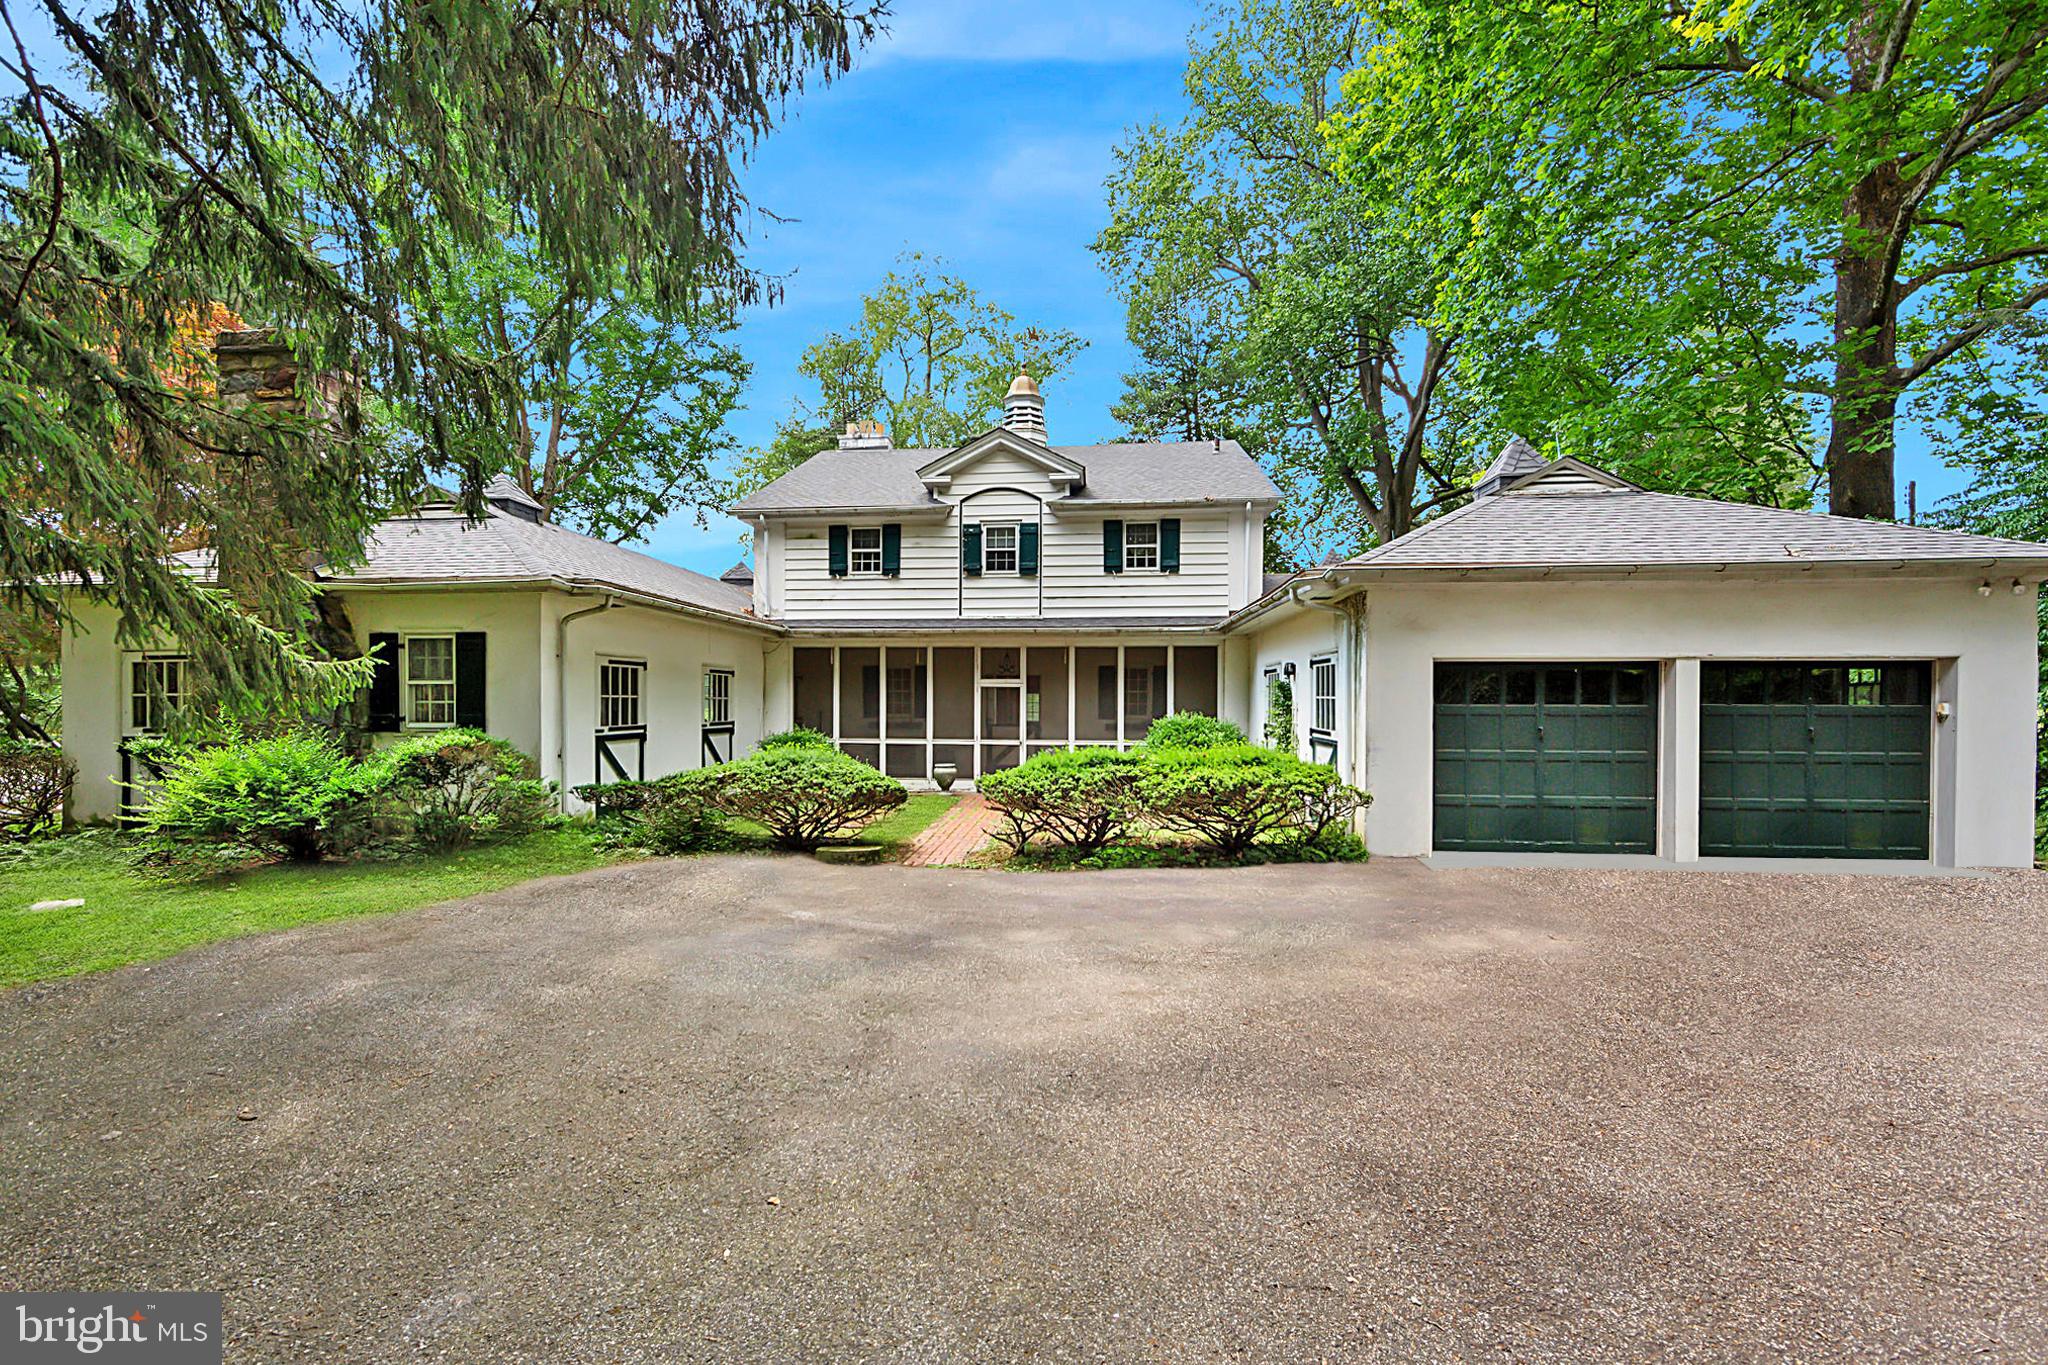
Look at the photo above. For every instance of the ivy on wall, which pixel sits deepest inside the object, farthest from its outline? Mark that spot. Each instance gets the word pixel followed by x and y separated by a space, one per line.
pixel 1279 713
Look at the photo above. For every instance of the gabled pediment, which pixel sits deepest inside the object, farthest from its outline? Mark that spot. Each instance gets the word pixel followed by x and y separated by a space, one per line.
pixel 1566 475
pixel 1067 474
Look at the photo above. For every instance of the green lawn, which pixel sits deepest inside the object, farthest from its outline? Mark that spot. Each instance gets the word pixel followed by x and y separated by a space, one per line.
pixel 896 829
pixel 130 917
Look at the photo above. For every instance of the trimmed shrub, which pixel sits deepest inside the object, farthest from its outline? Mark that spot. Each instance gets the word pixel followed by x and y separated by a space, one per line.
pixel 1230 798
pixel 35 782
pixel 801 737
pixel 805 795
pixel 454 788
pixel 279 796
pixel 672 814
pixel 1080 798
pixel 1191 730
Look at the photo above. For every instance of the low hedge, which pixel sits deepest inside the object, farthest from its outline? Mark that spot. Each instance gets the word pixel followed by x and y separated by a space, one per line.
pixel 278 796
pixel 35 782
pixel 804 795
pixel 1226 797
pixel 1077 798
pixel 673 814
pixel 453 788
pixel 1192 730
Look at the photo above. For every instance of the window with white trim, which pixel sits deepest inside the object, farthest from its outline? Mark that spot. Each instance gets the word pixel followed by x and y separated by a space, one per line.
pixel 864 550
pixel 156 689
pixel 999 548
pixel 1141 545
pixel 718 696
pixel 1137 691
pixel 1322 675
pixel 618 693
pixel 428 680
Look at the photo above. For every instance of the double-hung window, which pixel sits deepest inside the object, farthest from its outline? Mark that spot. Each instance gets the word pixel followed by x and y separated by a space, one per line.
pixel 999 548
pixel 156 689
pixel 618 694
pixel 428 681
pixel 1141 545
pixel 864 550
pixel 1138 691
pixel 1323 690
pixel 718 696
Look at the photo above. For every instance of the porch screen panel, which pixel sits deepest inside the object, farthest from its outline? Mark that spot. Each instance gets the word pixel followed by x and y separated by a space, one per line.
pixel 1045 693
pixel 811 681
pixel 1095 695
pixel 860 696
pixel 904 703
pixel 1194 679
pixel 1144 689
pixel 953 696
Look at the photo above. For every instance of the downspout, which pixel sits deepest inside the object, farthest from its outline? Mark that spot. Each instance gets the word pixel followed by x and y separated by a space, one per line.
pixel 562 693
pixel 1348 655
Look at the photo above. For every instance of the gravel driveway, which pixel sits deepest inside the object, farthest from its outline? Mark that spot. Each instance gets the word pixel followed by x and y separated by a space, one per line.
pixel 756 1108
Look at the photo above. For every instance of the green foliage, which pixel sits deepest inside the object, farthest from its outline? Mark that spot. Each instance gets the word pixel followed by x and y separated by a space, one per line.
pixel 35 781
pixel 1191 730
pixel 170 168
pixel 619 401
pixel 670 815
pixel 1280 714
pixel 453 788
pixel 804 796
pixel 930 358
pixel 1080 798
pixel 799 737
pixel 1231 798
pixel 251 799
pixel 1721 246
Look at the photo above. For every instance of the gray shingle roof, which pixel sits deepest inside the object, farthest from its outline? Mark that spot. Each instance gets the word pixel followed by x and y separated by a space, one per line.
pixel 993 625
pixel 1190 472
pixel 444 547
pixel 1529 528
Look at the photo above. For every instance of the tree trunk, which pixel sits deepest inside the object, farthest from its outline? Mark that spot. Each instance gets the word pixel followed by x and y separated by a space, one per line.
pixel 1862 447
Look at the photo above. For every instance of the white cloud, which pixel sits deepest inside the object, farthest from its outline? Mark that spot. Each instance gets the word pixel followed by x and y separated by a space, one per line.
pixel 1069 166
pixel 1054 31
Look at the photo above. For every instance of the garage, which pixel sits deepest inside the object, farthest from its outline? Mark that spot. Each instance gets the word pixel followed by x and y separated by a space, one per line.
pixel 1551 758
pixel 1816 759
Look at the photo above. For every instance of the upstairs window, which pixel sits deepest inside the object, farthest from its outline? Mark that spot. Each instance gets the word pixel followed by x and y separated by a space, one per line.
pixel 429 681
pixel 1141 545
pixel 718 696
pixel 864 551
pixel 618 694
pixel 999 549
pixel 156 689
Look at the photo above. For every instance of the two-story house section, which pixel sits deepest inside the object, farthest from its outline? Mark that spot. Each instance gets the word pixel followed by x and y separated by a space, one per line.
pixel 975 605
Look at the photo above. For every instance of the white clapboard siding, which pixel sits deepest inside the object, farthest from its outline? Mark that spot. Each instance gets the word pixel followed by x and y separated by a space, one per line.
pixel 1004 487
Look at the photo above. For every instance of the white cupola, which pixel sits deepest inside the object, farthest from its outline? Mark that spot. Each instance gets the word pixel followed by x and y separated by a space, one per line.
pixel 1024 409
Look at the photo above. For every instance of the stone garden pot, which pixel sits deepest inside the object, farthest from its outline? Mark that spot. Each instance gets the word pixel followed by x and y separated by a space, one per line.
pixel 944 775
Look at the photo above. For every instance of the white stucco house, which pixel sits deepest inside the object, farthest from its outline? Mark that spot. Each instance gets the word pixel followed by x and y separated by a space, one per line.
pixel 1567 665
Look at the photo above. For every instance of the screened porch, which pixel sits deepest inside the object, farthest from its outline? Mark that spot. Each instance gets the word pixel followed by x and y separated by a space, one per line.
pixel 904 708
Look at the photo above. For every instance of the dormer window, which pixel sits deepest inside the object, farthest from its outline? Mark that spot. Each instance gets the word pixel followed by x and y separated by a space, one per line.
pixel 998 548
pixel 1141 545
pixel 864 551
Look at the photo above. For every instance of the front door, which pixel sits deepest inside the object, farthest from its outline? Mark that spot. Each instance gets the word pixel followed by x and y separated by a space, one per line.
pixel 1002 725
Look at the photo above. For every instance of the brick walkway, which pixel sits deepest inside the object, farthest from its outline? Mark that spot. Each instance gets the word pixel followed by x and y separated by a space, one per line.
pixel 955 834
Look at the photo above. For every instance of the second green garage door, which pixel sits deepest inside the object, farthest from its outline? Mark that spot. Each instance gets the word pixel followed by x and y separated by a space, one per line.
pixel 1816 760
pixel 1553 758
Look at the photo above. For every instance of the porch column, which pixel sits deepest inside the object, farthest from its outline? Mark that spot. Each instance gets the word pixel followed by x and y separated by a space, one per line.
pixel 1682 762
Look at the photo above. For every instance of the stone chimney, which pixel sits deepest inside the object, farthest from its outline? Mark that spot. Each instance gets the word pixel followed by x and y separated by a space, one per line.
pixel 1024 409
pixel 864 435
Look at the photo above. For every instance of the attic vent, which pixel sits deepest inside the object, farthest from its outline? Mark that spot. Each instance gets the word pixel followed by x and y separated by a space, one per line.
pixel 508 497
pixel 864 435
pixel 1517 458
pixel 1024 409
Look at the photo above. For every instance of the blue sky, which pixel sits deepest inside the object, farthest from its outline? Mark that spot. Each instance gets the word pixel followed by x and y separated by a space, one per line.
pixel 976 132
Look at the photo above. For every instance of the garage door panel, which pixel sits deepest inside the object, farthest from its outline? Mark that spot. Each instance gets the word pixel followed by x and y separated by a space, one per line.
pixel 1815 759
pixel 1572 761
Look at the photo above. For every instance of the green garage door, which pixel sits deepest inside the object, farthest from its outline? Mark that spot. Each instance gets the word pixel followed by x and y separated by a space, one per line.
pixel 1814 760
pixel 1558 758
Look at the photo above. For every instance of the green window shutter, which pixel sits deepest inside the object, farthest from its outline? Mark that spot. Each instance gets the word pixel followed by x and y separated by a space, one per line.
pixel 970 548
pixel 835 551
pixel 1027 550
pixel 469 679
pixel 1112 546
pixel 892 550
pixel 383 711
pixel 1169 545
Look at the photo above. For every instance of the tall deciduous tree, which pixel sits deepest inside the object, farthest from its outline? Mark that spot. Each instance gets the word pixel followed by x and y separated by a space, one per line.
pixel 619 402
pixel 930 358
pixel 192 155
pixel 1870 168
pixel 1315 303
